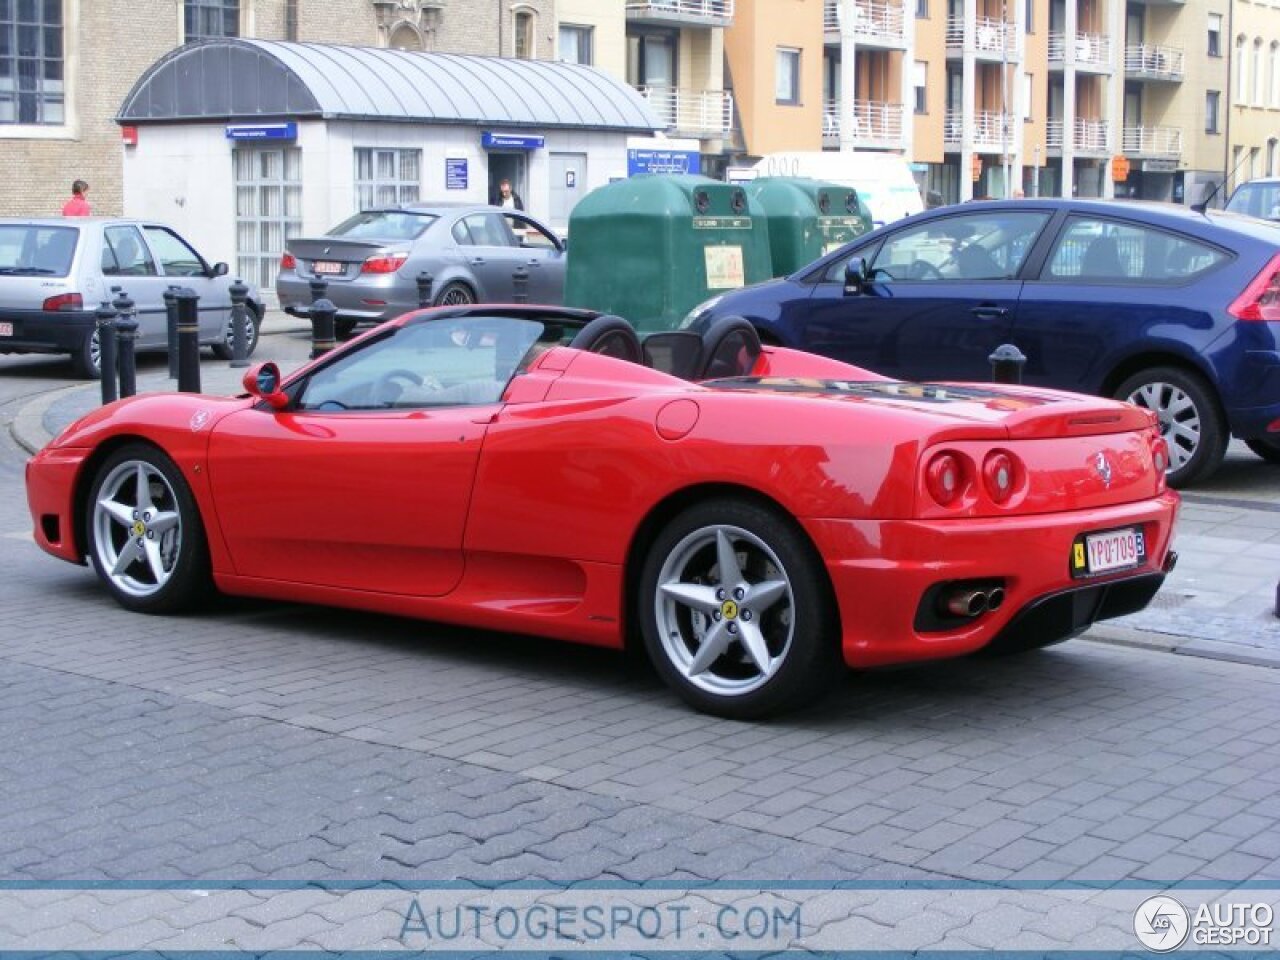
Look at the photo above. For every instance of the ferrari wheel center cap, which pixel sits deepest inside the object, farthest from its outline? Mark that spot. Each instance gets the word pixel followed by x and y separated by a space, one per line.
pixel 729 610
pixel 139 528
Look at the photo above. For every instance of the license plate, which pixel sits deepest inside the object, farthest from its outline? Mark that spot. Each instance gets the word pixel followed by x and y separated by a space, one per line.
pixel 329 266
pixel 1105 552
pixel 6 329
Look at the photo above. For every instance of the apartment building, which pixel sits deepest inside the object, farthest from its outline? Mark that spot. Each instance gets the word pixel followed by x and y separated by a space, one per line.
pixel 1253 120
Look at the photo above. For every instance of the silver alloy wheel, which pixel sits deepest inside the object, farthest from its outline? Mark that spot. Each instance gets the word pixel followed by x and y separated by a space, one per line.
pixel 1178 416
pixel 249 331
pixel 724 610
pixel 95 349
pixel 456 296
pixel 137 528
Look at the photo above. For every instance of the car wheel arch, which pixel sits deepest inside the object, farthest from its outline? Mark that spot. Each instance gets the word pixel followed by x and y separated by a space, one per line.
pixel 84 485
pixel 666 510
pixel 1136 363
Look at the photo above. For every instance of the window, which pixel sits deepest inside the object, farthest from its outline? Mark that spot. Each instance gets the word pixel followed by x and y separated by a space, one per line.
pixel 124 254
pixel 919 80
pixel 1215 34
pixel 1273 82
pixel 176 258
pixel 1259 199
pixel 211 18
pixel 37 251
pixel 385 178
pixel 575 44
pixel 787 79
pixel 524 45
pixel 922 9
pixel 1212 98
pixel 1031 16
pixel 482 230
pixel 530 234
pixel 979 246
pixel 1242 70
pixel 268 209
pixel 1272 168
pixel 1103 250
pixel 31 62
pixel 1028 92
pixel 384 225
pixel 1259 75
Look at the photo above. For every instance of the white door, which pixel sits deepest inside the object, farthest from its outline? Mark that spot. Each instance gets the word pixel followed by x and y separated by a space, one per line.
pixel 568 185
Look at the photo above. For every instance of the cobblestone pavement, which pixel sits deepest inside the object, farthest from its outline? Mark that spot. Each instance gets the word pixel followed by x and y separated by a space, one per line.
pixel 265 741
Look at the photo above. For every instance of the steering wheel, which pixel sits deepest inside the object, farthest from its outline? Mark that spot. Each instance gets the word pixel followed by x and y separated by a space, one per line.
pixel 923 270
pixel 381 394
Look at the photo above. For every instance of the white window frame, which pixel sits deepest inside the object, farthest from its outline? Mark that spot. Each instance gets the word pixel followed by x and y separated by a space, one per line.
pixel 242 7
pixel 585 34
pixel 1242 69
pixel 920 82
pixel 405 189
pixel 1259 75
pixel 790 56
pixel 519 13
pixel 1215 32
pixel 260 263
pixel 69 127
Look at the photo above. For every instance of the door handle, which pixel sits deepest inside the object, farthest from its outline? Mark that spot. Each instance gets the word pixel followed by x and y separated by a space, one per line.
pixel 989 311
pixel 478 261
pixel 535 263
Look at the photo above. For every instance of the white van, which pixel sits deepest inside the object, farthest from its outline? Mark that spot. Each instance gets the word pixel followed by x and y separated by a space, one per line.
pixel 883 180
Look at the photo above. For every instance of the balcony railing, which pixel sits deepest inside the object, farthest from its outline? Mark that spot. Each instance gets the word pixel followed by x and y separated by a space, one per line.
pixel 1088 136
pixel 882 23
pixel 710 12
pixel 875 123
pixel 1150 62
pixel 1091 49
pixel 1162 142
pixel 992 131
pixel 991 38
pixel 698 113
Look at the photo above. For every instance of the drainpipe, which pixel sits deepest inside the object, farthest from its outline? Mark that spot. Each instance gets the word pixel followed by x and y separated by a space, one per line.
pixel 499 27
pixel 1231 91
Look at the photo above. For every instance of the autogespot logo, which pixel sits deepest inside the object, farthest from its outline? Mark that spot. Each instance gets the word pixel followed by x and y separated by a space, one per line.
pixel 1161 924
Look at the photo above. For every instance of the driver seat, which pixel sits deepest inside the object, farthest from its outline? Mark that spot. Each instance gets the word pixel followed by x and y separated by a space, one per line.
pixel 611 336
pixel 730 348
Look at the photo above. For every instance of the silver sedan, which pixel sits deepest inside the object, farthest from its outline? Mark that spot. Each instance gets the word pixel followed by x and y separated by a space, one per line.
pixel 372 261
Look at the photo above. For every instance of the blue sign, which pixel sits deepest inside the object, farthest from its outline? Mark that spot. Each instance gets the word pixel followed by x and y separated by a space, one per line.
pixel 262 131
pixel 510 141
pixel 663 161
pixel 455 173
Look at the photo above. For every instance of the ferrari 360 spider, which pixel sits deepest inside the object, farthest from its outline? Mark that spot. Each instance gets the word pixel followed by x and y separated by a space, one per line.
pixel 752 516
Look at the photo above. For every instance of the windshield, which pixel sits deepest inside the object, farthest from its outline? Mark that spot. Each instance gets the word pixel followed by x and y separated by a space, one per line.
pixel 36 251
pixel 384 225
pixel 1260 200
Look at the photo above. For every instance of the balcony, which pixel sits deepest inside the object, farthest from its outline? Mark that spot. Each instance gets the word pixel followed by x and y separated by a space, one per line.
pixel 1092 52
pixel 706 114
pixel 1157 143
pixel 1090 138
pixel 681 13
pixel 988 40
pixel 993 132
pixel 877 125
pixel 1145 61
pixel 874 24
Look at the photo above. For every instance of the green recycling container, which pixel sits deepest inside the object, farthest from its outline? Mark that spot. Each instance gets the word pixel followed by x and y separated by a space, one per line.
pixel 807 218
pixel 652 247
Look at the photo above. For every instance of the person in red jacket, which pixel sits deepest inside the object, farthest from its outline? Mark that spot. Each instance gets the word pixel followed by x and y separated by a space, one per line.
pixel 77 206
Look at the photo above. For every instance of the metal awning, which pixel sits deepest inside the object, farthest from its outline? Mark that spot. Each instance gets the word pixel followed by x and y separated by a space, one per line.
pixel 234 79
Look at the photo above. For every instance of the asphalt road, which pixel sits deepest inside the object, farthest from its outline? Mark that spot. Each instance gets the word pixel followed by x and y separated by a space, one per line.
pixel 266 741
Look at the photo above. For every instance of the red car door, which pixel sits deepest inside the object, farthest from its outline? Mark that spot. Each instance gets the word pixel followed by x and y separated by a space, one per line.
pixel 358 500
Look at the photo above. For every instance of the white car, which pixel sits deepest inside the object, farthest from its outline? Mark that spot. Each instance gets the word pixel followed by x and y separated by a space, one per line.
pixel 54 273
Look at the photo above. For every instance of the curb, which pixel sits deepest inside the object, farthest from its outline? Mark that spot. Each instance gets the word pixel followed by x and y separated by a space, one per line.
pixel 28 428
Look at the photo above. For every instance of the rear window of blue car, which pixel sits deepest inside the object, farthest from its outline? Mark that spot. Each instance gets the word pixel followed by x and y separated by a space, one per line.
pixel 384 225
pixel 1097 249
pixel 32 250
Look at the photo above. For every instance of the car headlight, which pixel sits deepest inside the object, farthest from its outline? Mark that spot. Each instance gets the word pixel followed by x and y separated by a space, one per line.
pixel 693 315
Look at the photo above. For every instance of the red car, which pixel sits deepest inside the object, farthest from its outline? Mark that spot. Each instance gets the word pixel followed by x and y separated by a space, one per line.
pixel 753 516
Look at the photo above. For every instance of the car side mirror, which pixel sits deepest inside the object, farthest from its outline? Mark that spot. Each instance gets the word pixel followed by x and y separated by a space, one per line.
pixel 262 380
pixel 220 269
pixel 855 276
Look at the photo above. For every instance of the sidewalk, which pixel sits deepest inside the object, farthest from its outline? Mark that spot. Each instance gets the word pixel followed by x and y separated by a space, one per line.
pixel 1219 603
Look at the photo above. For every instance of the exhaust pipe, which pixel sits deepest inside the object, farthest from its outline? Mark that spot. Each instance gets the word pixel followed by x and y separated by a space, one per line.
pixel 995 599
pixel 966 603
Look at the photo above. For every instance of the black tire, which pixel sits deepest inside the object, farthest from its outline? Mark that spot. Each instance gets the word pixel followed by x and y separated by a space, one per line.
pixel 1268 448
pixel 344 328
pixel 800 627
pixel 455 294
pixel 83 363
pixel 224 350
pixel 1196 434
pixel 180 549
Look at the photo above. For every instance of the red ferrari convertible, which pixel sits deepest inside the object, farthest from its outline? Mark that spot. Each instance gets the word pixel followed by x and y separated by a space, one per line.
pixel 754 516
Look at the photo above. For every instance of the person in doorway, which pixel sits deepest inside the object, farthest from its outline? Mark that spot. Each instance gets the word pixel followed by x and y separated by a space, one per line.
pixel 78 205
pixel 506 197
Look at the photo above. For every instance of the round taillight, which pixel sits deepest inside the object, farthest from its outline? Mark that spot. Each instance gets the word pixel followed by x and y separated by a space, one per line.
pixel 944 476
pixel 999 477
pixel 287 262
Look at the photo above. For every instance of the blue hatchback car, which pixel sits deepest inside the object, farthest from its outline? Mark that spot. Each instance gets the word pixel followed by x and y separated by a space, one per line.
pixel 1171 309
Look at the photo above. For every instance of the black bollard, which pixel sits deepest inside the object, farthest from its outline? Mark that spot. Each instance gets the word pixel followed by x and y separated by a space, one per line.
pixel 171 326
pixel 322 335
pixel 520 285
pixel 1006 364
pixel 318 287
pixel 188 340
pixel 425 282
pixel 239 324
pixel 105 321
pixel 126 334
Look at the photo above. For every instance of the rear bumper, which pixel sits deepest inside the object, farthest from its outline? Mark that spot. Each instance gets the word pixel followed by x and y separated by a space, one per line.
pixel 882 570
pixel 38 331
pixel 1258 381
pixel 350 297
